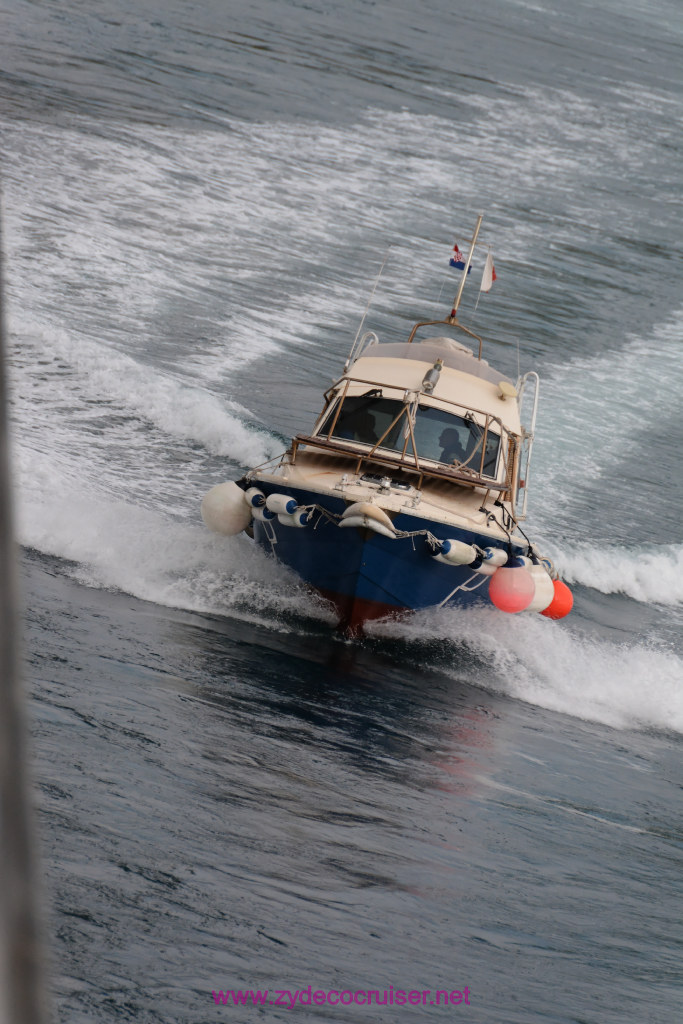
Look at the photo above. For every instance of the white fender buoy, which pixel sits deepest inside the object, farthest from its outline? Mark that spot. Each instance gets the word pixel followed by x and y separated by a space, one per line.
pixel 298 517
pixel 365 522
pixel 484 569
pixel 488 561
pixel 495 556
pixel 224 509
pixel 254 497
pixel 544 593
pixel 281 504
pixel 456 552
pixel 264 515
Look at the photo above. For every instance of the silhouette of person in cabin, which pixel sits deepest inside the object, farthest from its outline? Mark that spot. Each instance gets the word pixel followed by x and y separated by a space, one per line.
pixel 453 450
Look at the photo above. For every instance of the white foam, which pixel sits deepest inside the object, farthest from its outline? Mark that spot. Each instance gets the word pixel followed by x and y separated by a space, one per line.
pixel 148 216
pixel 121 244
pixel 595 413
pixel 542 662
pixel 100 372
pixel 595 407
pixel 139 551
pixel 652 576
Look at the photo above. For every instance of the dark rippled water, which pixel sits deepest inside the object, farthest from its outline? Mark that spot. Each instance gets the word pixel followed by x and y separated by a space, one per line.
pixel 197 199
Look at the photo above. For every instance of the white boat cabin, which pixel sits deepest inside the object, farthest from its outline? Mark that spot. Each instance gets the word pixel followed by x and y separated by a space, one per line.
pixel 428 407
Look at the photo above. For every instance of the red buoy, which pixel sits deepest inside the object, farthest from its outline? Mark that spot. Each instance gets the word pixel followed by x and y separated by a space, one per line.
pixel 511 588
pixel 562 602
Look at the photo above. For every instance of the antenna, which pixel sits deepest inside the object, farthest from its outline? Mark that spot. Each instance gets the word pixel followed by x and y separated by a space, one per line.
pixel 362 320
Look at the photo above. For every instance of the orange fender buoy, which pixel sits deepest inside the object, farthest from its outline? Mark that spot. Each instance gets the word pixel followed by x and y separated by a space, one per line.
pixel 511 588
pixel 561 604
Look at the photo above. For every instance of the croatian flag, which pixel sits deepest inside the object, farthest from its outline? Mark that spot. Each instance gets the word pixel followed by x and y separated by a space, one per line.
pixel 458 260
pixel 489 275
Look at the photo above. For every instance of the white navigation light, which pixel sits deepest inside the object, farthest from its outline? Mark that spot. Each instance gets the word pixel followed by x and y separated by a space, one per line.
pixel 431 377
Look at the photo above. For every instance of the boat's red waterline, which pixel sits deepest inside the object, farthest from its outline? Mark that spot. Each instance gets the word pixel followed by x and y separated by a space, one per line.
pixel 355 611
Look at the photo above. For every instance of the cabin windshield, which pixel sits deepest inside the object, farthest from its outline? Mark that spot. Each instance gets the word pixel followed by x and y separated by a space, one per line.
pixel 439 435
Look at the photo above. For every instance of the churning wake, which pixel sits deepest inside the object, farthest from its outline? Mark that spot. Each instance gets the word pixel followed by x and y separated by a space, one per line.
pixel 624 685
pixel 141 287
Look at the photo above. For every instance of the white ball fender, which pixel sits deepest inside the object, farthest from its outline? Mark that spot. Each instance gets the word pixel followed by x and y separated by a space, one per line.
pixel 224 509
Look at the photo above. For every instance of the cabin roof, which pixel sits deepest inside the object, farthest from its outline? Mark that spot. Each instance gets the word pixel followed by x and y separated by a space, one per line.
pixel 453 353
pixel 456 391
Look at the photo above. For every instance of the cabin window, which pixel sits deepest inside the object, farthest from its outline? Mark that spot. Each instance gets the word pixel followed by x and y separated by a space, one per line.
pixel 365 419
pixel 439 435
pixel 454 439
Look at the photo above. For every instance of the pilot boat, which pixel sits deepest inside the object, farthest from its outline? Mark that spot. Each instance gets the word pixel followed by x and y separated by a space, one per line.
pixel 409 490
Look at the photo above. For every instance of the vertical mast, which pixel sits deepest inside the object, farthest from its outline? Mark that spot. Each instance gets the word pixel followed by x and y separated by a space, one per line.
pixel 473 242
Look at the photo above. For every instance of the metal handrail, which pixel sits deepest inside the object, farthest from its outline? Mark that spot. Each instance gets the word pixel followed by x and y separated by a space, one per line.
pixel 527 443
pixel 488 418
pixel 396 387
pixel 450 322
pixel 359 346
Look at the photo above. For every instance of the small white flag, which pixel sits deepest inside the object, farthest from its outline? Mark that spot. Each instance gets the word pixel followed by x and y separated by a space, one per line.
pixel 489 275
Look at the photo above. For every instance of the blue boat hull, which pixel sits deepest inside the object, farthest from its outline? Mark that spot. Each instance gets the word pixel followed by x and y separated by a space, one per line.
pixel 367 575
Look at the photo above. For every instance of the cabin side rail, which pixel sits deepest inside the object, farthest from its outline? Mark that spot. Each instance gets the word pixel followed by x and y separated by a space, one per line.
pixel 527 390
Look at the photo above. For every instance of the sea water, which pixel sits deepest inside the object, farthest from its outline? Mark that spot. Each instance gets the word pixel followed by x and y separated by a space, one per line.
pixel 197 200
